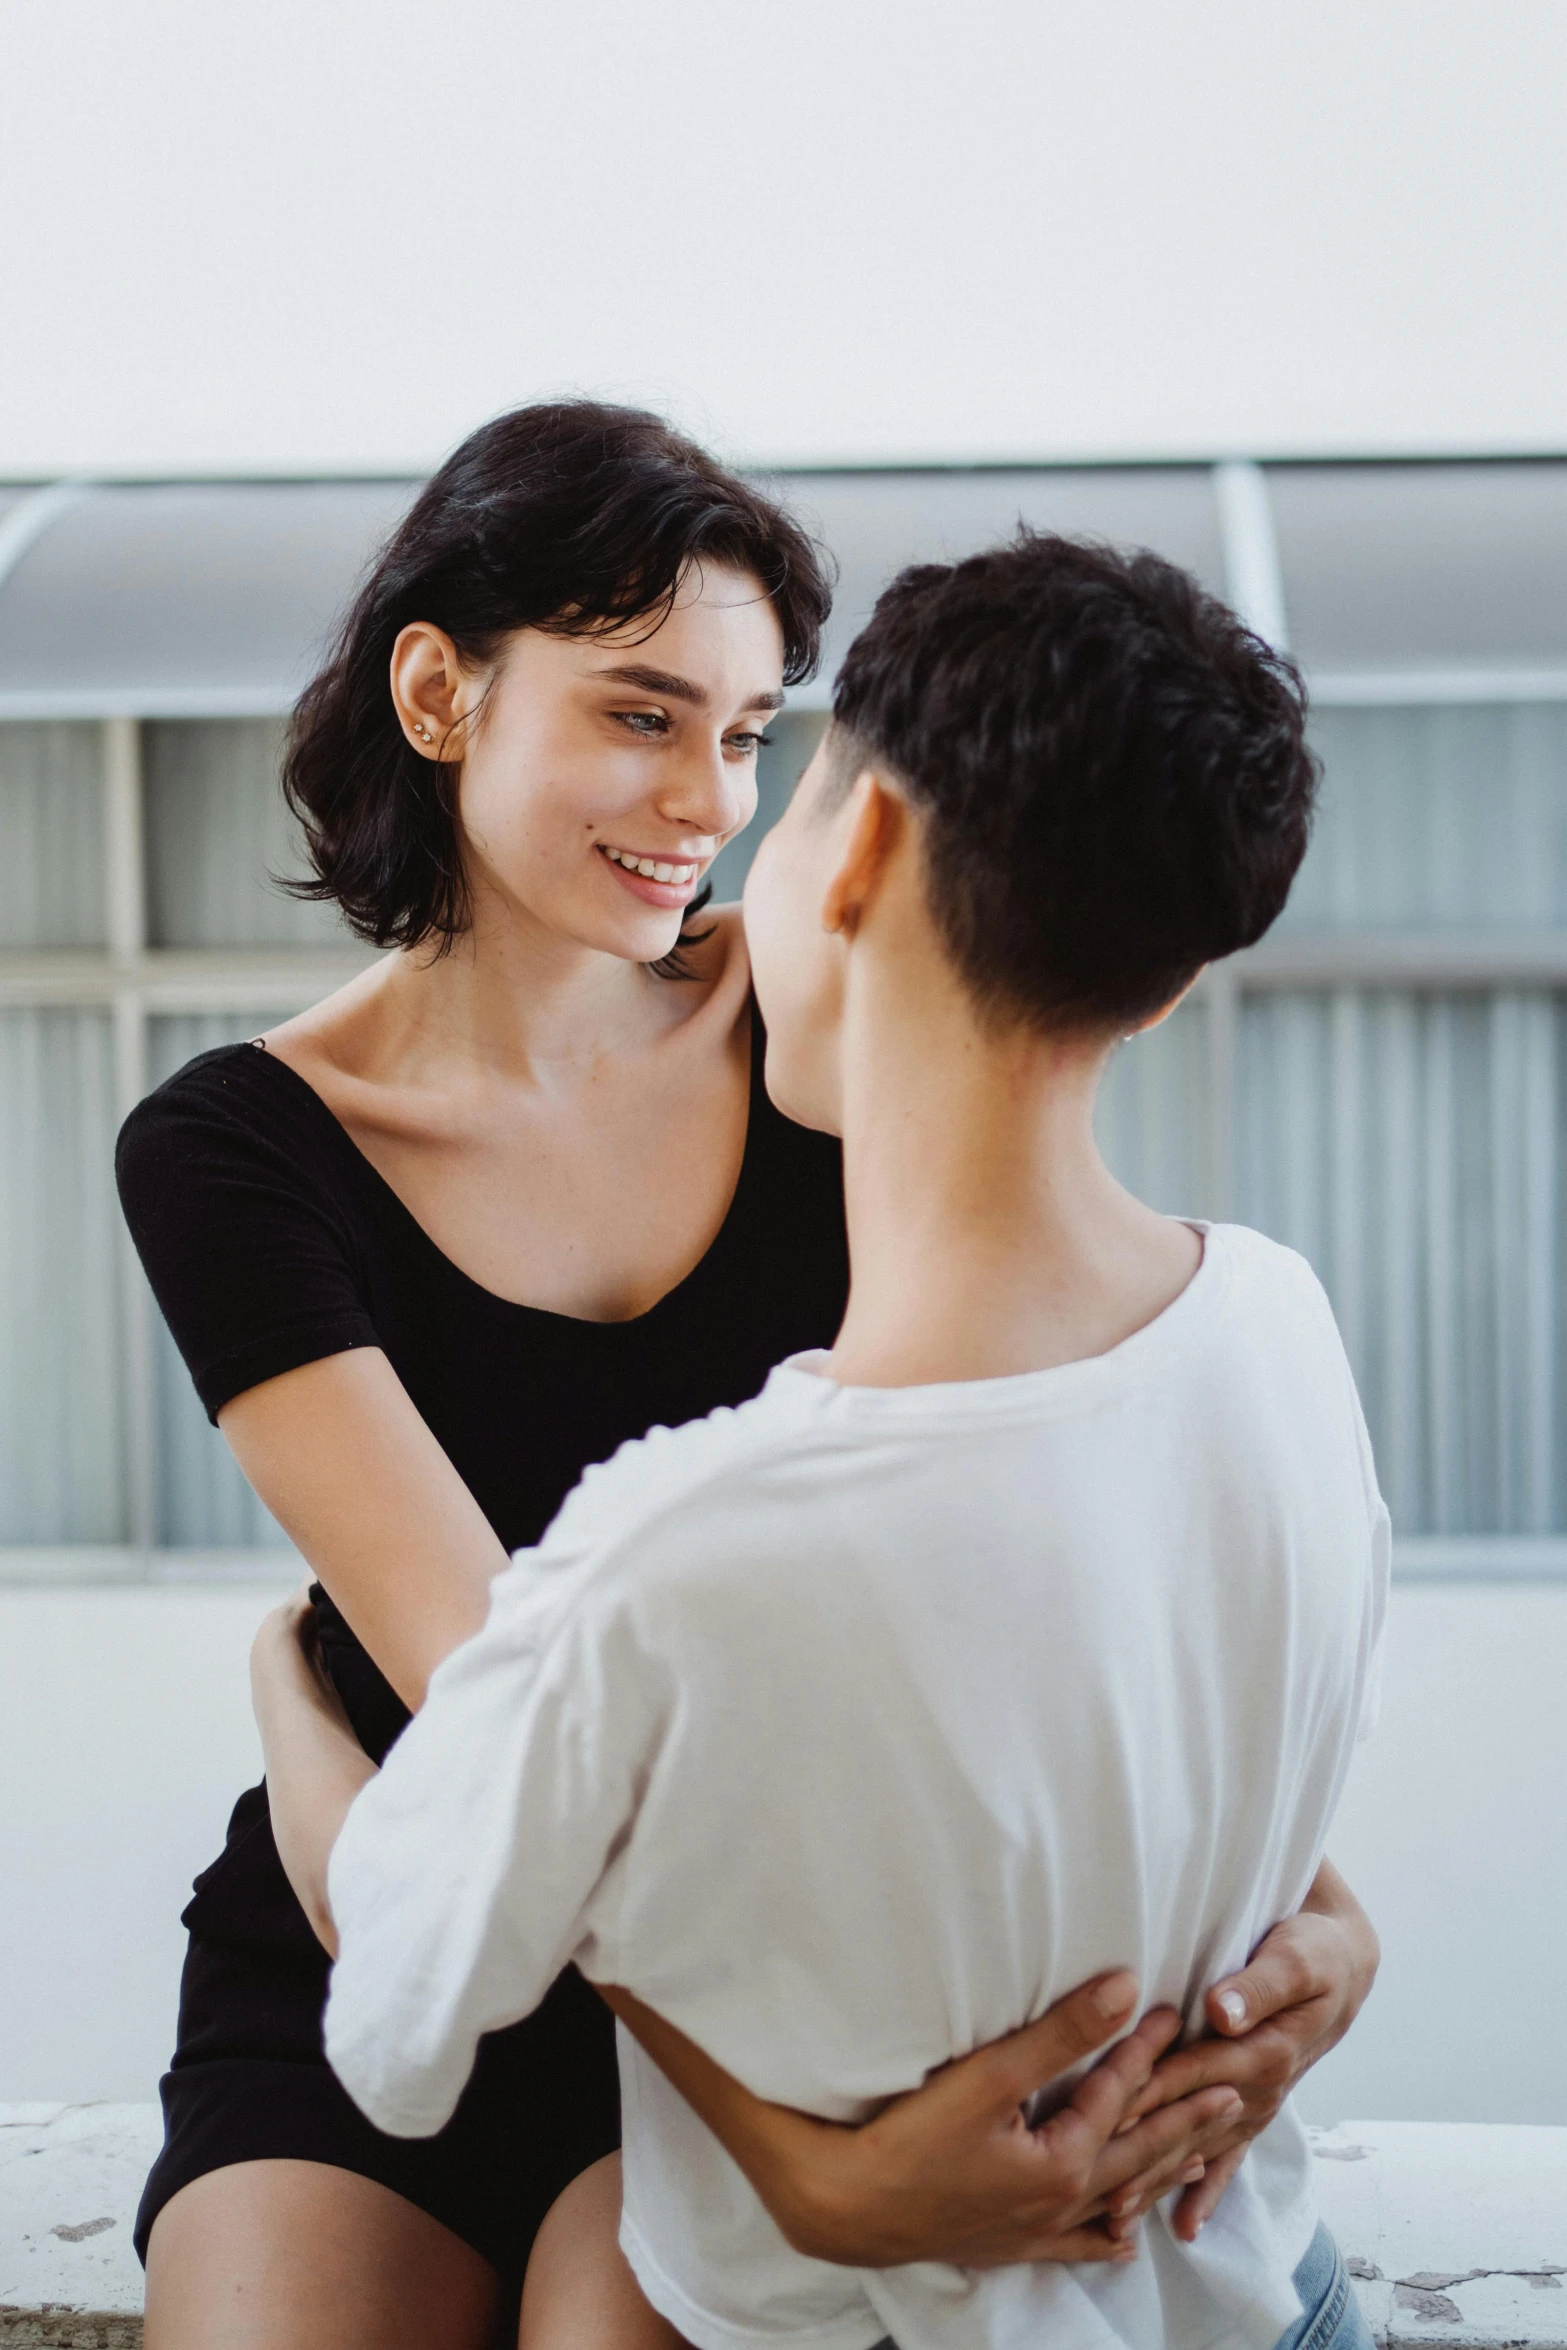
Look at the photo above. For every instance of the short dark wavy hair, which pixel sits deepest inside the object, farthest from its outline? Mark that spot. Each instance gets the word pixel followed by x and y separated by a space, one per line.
pixel 570 516
pixel 1112 771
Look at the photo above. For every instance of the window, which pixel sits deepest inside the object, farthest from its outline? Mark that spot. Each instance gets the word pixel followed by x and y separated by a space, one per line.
pixel 1382 1083
pixel 138 928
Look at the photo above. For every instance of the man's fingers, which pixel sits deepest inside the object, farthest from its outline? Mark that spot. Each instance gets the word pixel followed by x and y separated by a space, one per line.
pixel 1180 2075
pixel 1090 2242
pixel 1279 1976
pixel 1113 2086
pixel 1266 2058
pixel 1127 2209
pixel 1010 2070
pixel 1151 2155
pixel 1199 2203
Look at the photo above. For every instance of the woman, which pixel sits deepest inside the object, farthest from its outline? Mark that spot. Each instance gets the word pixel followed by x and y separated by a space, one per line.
pixel 503 1202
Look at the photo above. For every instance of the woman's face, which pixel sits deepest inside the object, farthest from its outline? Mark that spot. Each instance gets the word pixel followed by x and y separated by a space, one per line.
pixel 605 773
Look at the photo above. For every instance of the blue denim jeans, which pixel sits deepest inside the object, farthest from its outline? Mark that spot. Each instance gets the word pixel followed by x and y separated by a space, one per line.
pixel 1330 2317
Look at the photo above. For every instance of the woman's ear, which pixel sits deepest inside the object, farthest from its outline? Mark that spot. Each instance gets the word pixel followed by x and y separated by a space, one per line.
pixel 870 824
pixel 430 688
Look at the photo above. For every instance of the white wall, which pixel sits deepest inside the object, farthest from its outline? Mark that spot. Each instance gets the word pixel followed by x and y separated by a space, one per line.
pixel 334 234
pixel 1453 1830
pixel 125 1734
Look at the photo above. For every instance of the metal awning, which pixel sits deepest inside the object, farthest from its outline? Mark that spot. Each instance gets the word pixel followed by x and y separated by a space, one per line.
pixel 875 523
pixel 178 600
pixel 1454 575
pixel 214 599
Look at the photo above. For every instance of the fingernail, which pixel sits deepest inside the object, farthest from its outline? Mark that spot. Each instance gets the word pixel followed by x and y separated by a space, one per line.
pixel 1114 1995
pixel 1233 2008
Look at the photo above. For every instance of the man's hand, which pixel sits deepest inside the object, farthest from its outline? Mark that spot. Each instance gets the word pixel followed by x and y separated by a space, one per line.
pixel 952 2171
pixel 1305 1985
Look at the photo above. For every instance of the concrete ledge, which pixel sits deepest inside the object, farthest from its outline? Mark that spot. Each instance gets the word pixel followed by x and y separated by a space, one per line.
pixel 1454 2232
pixel 70 2180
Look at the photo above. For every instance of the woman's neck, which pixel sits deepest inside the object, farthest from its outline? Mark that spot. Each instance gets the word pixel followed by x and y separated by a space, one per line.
pixel 508 1003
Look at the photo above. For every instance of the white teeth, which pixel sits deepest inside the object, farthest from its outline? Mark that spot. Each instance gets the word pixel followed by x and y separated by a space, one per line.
pixel 652 868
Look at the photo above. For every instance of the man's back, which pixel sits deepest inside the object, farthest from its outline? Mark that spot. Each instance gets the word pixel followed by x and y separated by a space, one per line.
pixel 920 1705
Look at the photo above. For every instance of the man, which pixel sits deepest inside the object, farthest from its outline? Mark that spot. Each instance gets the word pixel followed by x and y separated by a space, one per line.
pixel 1029 1633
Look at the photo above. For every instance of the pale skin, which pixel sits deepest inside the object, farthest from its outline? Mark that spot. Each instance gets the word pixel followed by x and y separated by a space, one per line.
pixel 568 1128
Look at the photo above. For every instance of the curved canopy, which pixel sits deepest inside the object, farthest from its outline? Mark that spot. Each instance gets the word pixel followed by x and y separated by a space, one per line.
pixel 214 598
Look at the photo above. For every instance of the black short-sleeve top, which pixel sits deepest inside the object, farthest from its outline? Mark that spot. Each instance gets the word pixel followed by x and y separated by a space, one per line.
pixel 270 1240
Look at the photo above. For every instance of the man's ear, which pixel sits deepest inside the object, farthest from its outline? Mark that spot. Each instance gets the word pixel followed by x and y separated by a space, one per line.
pixel 870 824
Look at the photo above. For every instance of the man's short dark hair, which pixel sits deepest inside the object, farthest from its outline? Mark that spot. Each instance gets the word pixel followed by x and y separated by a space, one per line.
pixel 571 516
pixel 1112 771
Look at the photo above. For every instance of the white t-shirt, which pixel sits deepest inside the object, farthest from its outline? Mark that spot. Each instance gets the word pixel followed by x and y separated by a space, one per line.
pixel 849 1730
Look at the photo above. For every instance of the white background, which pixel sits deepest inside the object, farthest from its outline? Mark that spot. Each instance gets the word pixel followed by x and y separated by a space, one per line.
pixel 335 234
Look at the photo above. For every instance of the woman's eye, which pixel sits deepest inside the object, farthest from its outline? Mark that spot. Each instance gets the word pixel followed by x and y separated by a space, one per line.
pixel 644 722
pixel 745 744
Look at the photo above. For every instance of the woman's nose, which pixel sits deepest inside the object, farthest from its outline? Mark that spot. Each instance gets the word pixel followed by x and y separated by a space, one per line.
pixel 711 794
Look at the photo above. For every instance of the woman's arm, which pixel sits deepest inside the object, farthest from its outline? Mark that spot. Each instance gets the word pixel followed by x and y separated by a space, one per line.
pixel 338 1452
pixel 315 1765
pixel 345 1463
pixel 951 2172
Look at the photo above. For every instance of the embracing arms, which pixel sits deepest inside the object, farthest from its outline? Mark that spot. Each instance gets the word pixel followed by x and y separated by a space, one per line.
pixel 950 2171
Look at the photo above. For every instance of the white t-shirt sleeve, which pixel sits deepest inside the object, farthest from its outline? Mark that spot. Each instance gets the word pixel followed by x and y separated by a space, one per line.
pixel 1381 1576
pixel 460 1882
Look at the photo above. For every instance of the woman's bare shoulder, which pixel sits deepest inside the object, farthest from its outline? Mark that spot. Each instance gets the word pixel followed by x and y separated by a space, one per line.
pixel 334 1038
pixel 723 942
pixel 718 958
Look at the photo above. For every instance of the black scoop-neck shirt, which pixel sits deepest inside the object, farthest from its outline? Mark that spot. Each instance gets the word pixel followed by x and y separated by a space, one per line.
pixel 270 1241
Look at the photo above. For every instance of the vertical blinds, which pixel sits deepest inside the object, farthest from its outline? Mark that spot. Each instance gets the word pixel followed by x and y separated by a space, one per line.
pixel 217 835
pixel 202 1499
pixel 62 1459
pixel 1409 1141
pixel 1411 1144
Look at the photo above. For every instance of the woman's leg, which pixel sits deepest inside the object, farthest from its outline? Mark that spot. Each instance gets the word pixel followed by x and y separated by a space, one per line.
pixel 579 2292
pixel 265 2254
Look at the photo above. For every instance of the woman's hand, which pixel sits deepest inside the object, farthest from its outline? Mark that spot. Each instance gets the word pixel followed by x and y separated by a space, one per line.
pixel 953 2171
pixel 1305 1985
pixel 315 1765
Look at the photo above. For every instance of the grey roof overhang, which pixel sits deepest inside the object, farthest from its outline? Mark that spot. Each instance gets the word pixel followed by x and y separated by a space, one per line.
pixel 217 598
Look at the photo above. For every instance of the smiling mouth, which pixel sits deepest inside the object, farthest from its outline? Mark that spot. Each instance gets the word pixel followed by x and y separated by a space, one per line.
pixel 674 874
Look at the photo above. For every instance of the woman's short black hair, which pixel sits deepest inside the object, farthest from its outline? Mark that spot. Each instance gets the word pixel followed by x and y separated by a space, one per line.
pixel 1112 771
pixel 569 516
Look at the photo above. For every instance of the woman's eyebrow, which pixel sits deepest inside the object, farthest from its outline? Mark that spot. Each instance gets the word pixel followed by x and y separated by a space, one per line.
pixel 679 689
